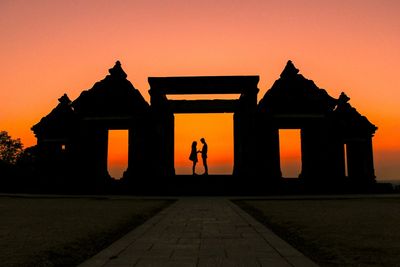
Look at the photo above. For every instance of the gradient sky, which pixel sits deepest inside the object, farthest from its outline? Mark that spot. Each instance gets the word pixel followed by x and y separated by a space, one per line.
pixel 53 47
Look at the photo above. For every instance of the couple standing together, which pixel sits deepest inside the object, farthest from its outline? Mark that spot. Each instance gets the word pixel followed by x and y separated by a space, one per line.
pixel 203 151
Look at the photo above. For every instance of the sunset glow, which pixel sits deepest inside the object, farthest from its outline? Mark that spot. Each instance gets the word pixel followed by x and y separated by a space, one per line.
pixel 49 48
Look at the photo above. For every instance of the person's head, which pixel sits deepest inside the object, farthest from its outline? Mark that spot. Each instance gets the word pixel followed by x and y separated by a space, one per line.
pixel 194 144
pixel 202 140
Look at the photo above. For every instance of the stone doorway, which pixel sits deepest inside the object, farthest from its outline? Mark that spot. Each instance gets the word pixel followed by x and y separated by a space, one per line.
pixel 243 108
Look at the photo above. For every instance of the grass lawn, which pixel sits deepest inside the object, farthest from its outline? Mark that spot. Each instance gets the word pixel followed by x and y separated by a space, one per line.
pixel 65 231
pixel 335 232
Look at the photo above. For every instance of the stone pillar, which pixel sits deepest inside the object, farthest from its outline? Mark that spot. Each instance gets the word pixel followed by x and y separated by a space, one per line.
pixel 237 145
pixel 312 154
pixel 244 144
pixel 267 147
pixel 103 152
pixel 360 160
pixel 164 126
pixel 369 158
pixel 92 153
pixel 322 155
pixel 334 153
pixel 164 143
pixel 137 147
pixel 245 134
pixel 98 151
pixel 274 161
pixel 169 143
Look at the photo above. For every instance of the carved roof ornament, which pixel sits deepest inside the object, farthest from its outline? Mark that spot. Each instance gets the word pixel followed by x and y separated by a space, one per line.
pixel 117 71
pixel 64 100
pixel 58 122
pixel 289 71
pixel 356 124
pixel 343 98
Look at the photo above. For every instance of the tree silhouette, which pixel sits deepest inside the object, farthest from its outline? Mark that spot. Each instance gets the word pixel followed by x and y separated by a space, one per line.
pixel 10 149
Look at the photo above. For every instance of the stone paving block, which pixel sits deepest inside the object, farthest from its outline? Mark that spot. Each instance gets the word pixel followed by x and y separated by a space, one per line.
pixel 190 235
pixel 249 253
pixel 157 253
pixel 245 244
pixel 149 262
pixel 226 262
pixel 249 235
pixel 301 261
pixel 119 265
pixel 210 261
pixel 123 261
pixel 140 245
pixel 212 252
pixel 196 241
pixel 185 253
pixel 181 263
pixel 176 246
pixel 274 262
pixel 130 252
pixel 230 236
pixel 211 243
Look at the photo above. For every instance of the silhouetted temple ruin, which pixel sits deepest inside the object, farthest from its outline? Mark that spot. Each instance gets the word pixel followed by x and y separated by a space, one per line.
pixel 72 139
pixel 327 125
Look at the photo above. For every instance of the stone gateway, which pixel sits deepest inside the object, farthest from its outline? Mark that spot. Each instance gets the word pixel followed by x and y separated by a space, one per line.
pixel 336 140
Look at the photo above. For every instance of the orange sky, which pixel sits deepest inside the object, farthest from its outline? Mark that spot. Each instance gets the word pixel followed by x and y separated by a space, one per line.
pixel 49 48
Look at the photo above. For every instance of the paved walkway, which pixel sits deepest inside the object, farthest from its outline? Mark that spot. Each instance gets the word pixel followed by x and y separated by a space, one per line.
pixel 200 232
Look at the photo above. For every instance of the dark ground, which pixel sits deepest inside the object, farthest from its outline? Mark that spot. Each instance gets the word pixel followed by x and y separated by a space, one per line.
pixel 54 231
pixel 335 232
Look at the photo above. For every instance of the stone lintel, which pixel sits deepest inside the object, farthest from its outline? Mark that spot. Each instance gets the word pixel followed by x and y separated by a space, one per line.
pixel 204 106
pixel 204 85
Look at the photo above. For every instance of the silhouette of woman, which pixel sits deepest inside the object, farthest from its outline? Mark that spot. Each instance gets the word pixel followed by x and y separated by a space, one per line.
pixel 193 156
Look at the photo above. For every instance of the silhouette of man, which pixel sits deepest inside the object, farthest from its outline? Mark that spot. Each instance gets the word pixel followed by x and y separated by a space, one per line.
pixel 203 152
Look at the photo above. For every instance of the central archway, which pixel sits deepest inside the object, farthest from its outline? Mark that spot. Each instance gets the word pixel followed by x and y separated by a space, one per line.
pixel 243 109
